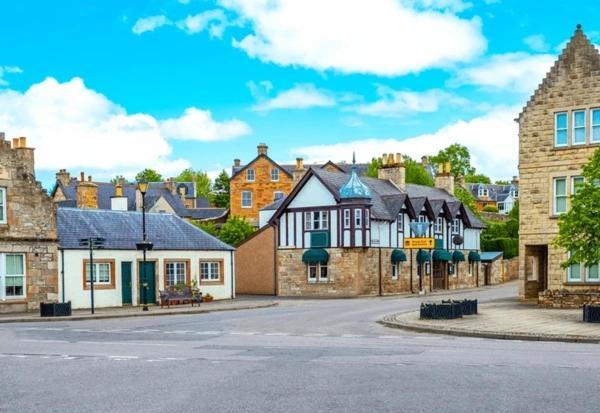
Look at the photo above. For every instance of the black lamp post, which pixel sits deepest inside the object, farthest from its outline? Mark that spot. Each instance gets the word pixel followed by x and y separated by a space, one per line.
pixel 145 245
pixel 92 244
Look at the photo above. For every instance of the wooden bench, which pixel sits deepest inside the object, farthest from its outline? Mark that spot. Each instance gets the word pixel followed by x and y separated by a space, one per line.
pixel 179 296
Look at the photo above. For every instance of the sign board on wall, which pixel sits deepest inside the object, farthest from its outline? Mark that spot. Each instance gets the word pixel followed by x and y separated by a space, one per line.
pixel 419 243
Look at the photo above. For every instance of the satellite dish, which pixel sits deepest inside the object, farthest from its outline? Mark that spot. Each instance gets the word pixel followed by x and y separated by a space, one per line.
pixel 457 240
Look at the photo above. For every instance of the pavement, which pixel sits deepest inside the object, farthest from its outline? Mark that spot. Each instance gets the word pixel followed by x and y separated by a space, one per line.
pixel 299 356
pixel 507 319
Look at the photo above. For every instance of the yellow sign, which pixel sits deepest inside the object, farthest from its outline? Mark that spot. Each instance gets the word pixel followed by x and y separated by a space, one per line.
pixel 419 243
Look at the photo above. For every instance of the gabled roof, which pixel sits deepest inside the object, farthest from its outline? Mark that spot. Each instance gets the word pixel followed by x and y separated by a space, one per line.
pixel 497 193
pixel 236 170
pixel 289 168
pixel 122 230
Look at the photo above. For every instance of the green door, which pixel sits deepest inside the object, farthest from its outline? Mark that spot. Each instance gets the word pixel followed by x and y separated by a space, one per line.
pixel 147 277
pixel 126 283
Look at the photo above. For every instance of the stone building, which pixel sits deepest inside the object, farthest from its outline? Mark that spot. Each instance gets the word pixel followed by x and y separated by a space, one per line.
pixel 502 197
pixel 28 234
pixel 559 129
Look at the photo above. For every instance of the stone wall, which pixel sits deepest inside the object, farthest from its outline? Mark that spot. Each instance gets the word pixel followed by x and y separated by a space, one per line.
pixel 568 299
pixel 255 264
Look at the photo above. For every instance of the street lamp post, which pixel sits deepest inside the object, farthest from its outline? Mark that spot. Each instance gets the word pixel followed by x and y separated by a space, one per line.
pixel 145 245
pixel 91 243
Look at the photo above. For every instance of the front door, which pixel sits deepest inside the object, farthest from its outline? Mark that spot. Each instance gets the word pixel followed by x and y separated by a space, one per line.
pixel 147 280
pixel 126 283
pixel 439 275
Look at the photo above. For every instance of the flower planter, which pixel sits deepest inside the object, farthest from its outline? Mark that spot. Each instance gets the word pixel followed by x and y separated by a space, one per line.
pixel 591 313
pixel 55 309
pixel 469 307
pixel 441 311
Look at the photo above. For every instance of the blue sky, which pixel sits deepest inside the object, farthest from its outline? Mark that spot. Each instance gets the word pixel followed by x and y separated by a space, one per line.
pixel 114 86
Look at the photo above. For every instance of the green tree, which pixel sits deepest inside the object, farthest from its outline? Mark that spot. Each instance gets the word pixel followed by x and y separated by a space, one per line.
pixel 373 167
pixel 149 175
pixel 208 227
pixel 502 182
pixel 203 184
pixel 490 208
pixel 220 191
pixel 477 179
pixel 235 230
pixel 459 158
pixel 415 173
pixel 119 179
pixel 579 228
pixel 466 198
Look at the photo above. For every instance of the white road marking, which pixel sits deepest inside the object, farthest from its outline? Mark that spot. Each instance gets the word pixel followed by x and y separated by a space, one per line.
pixel 208 333
pixel 314 335
pixel 277 334
pixel 352 335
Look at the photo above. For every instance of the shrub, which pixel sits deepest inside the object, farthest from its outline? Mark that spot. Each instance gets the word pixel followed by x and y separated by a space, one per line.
pixel 509 246
pixel 490 208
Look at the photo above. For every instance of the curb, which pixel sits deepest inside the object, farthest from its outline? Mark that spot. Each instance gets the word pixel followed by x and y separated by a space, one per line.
pixel 132 315
pixel 390 322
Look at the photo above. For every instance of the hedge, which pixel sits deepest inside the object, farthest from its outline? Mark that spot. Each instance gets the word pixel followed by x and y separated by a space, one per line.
pixel 510 246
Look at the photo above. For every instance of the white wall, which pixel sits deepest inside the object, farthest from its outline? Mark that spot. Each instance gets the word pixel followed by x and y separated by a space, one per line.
pixel 264 217
pixel 313 194
pixel 80 298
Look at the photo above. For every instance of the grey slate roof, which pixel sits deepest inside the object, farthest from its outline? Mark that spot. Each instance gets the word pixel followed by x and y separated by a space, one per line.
pixel 497 193
pixel 361 168
pixel 123 229
pixel 208 213
pixel 274 205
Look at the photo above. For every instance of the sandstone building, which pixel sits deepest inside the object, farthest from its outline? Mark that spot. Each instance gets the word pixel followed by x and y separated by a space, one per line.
pixel 559 129
pixel 28 234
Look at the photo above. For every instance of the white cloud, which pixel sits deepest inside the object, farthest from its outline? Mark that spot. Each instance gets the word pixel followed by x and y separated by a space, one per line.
pixel 492 140
pixel 537 43
pixel 72 126
pixel 8 70
pixel 384 37
pixel 519 71
pixel 302 96
pixel 453 6
pixel 214 20
pixel 395 103
pixel 149 24
pixel 199 125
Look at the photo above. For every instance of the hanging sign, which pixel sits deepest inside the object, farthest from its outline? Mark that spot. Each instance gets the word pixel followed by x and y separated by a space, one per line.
pixel 419 243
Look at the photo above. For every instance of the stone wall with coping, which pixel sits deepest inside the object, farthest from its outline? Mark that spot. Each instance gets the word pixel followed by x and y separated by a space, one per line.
pixel 568 299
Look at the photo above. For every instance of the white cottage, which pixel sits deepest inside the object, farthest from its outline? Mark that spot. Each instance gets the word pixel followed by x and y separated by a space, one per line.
pixel 182 253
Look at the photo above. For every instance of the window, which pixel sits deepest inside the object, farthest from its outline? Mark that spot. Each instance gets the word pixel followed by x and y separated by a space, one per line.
pixel 250 175
pixel 574 272
pixel 595 135
pixel 274 174
pixel 456 226
pixel 2 205
pixel 246 199
pixel 560 195
pixel 316 220
pixel 560 129
pixel 102 273
pixel 514 193
pixel 500 206
pixel 367 218
pixel 439 225
pixel 422 218
pixel 593 275
pixel 175 273
pixel 483 192
pixel 12 275
pixel 579 127
pixel 358 218
pixel 317 273
pixel 400 222
pixel 277 195
pixel 396 269
pixel 347 218
pixel 576 183
pixel 209 271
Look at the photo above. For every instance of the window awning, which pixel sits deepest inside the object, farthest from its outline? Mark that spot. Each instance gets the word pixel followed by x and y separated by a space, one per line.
pixel 474 256
pixel 398 256
pixel 458 256
pixel 315 256
pixel 423 257
pixel 442 255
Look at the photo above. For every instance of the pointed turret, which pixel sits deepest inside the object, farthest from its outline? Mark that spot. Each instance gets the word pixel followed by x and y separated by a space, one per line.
pixel 354 188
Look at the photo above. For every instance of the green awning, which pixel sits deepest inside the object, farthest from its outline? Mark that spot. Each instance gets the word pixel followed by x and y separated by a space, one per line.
pixel 398 256
pixel 315 256
pixel 423 257
pixel 458 256
pixel 442 255
pixel 474 256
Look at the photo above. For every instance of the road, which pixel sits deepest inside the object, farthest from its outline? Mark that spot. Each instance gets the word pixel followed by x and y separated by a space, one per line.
pixel 301 356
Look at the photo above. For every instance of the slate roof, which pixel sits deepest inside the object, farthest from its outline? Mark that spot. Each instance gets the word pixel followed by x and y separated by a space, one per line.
pixel 497 193
pixel 274 205
pixel 123 229
pixel 361 168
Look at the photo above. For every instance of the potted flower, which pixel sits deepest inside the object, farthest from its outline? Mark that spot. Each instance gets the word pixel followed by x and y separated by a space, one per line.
pixel 207 298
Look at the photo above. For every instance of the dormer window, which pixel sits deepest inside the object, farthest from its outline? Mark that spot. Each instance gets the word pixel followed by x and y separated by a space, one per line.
pixel 250 175
pixel 514 193
pixel 456 226
pixel 483 192
pixel 439 225
pixel 275 175
pixel 2 205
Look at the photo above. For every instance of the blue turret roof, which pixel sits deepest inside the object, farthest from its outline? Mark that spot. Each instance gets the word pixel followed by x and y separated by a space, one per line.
pixel 354 188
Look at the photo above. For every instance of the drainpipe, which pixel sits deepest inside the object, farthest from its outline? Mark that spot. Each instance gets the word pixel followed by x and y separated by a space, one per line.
pixel 62 273
pixel 380 286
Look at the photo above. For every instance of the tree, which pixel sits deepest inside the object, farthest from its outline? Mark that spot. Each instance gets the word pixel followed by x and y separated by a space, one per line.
pixel 490 208
pixel 459 158
pixel 466 198
pixel 220 192
pixel 235 230
pixel 502 182
pixel 579 228
pixel 149 175
pixel 415 173
pixel 208 227
pixel 373 167
pixel 119 179
pixel 203 184
pixel 477 179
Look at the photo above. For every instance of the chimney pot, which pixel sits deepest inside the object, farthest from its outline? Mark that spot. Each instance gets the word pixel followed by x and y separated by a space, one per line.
pixel 398 157
pixel 82 176
pixel 262 149
pixel 15 143
pixel 22 142
pixel 89 178
pixel 299 163
pixel 236 162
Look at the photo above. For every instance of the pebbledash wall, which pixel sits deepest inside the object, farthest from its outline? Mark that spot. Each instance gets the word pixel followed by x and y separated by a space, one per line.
pixel 27 229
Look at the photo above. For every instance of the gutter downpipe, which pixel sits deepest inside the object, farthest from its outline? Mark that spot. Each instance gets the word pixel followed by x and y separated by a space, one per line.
pixel 411 272
pixel 380 286
pixel 232 276
pixel 62 273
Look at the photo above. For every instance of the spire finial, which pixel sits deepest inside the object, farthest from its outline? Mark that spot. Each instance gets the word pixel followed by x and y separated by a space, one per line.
pixel 578 26
pixel 353 158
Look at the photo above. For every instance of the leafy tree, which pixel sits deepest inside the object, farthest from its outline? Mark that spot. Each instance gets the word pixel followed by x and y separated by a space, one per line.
pixel 490 208
pixel 579 228
pixel 459 158
pixel 119 179
pixel 514 212
pixel 203 184
pixel 220 192
pixel 477 179
pixel 502 182
pixel 208 227
pixel 466 198
pixel 149 175
pixel 235 230
pixel 415 173
pixel 373 167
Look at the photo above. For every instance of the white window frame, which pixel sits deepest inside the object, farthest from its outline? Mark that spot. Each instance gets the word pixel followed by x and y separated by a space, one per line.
pixel 3 218
pixel 3 276
pixel 246 205
pixel 555 196
pixel 576 128
pixel 347 218
pixel 321 218
pixel 438 227
pixel 280 193
pixel 500 206
pixel 176 267
pixel 422 218
pixel 594 127
pixel 367 218
pixel 97 272
pixel 570 275
pixel 396 269
pixel 274 175
pixel 400 222
pixel 573 179
pixel 358 221
pixel 250 175
pixel 587 275
pixel 207 271
pixel 483 192
pixel 456 226
pixel 320 269
pixel 556 129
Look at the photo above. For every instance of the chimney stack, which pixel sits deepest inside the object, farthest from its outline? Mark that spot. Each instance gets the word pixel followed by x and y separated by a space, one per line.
pixel 262 149
pixel 118 202
pixel 515 181
pixel 236 163
pixel 444 178
pixel 63 177
pixel 87 193
pixel 298 171
pixel 15 143
pixel 392 169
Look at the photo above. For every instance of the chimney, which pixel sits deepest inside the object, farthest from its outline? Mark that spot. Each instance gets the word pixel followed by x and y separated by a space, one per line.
pixel 392 169
pixel 515 181
pixel 87 193
pixel 15 143
pixel 424 160
pixel 170 185
pixel 262 149
pixel 237 163
pixel 25 155
pixel 118 202
pixel 63 177
pixel 22 142
pixel 444 178
pixel 298 171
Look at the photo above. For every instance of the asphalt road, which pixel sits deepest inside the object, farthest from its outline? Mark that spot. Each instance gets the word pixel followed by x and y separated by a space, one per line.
pixel 302 356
